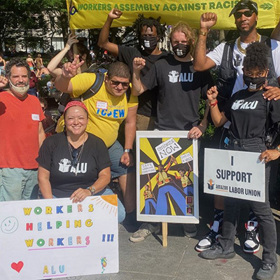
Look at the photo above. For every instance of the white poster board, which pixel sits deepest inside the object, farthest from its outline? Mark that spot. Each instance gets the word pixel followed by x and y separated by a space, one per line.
pixel 53 238
pixel 234 174
pixel 167 177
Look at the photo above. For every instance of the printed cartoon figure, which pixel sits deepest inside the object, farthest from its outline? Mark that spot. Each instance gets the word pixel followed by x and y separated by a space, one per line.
pixel 150 201
pixel 167 189
pixel 64 165
pixel 173 76
pixel 186 181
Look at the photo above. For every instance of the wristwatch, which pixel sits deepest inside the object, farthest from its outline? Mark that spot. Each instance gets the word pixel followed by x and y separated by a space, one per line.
pixel 92 190
pixel 203 33
pixel 127 150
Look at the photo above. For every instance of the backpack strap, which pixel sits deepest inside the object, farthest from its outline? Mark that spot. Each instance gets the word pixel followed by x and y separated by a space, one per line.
pixel 99 79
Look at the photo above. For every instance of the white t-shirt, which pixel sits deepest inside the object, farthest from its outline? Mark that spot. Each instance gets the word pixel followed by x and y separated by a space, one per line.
pixel 238 57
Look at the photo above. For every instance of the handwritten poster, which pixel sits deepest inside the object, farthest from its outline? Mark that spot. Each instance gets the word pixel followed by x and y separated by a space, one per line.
pixel 53 238
pixel 167 177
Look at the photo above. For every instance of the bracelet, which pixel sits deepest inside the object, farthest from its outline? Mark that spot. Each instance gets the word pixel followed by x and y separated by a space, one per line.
pixel 213 104
pixel 127 150
pixel 203 33
pixel 92 190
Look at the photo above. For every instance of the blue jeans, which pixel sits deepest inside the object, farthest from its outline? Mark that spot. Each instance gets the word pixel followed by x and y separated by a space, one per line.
pixel 117 168
pixel 17 183
pixel 262 211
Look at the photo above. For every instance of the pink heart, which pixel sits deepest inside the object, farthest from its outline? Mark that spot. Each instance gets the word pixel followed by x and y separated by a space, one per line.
pixel 17 266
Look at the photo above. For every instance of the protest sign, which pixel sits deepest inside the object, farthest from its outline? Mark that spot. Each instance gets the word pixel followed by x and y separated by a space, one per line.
pixel 53 238
pixel 88 14
pixel 234 174
pixel 167 177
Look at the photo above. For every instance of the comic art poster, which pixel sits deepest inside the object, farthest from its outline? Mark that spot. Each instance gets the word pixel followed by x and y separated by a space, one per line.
pixel 54 238
pixel 167 177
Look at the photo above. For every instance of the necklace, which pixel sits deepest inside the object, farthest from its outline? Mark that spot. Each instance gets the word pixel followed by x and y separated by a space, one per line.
pixel 242 50
pixel 75 155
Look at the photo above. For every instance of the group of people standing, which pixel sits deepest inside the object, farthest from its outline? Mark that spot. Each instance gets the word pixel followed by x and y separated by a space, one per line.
pixel 85 155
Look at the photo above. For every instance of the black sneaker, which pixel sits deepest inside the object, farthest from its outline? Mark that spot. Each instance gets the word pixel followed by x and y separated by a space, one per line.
pixel 209 240
pixel 217 252
pixel 266 271
pixel 252 242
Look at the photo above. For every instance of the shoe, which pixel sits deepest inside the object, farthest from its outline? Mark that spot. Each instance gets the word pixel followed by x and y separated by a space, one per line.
pixel 216 252
pixel 209 240
pixel 190 230
pixel 252 243
pixel 266 271
pixel 144 231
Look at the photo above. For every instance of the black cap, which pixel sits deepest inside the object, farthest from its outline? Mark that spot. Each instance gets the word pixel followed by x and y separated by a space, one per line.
pixel 245 4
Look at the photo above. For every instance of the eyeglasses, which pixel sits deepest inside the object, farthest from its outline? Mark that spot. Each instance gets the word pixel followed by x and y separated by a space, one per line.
pixel 116 83
pixel 246 14
pixel 75 157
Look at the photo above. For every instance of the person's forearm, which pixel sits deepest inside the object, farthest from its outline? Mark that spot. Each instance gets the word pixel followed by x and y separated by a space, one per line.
pixel 217 117
pixel 61 83
pixel 45 187
pixel 42 134
pixel 204 122
pixel 137 86
pixel 276 32
pixel 52 66
pixel 104 33
pixel 130 132
pixel 200 50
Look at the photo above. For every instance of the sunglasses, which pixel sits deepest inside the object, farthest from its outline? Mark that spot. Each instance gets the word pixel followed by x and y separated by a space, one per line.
pixel 116 83
pixel 246 14
pixel 75 158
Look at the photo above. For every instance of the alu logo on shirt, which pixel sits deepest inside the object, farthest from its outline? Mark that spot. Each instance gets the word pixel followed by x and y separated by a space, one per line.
pixel 65 167
pixel 241 104
pixel 175 77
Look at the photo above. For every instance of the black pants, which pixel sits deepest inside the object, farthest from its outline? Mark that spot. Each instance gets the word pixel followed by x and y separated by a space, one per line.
pixel 262 211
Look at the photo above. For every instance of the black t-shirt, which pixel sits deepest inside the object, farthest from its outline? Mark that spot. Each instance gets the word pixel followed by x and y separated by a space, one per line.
pixel 54 155
pixel 148 99
pixel 180 88
pixel 247 112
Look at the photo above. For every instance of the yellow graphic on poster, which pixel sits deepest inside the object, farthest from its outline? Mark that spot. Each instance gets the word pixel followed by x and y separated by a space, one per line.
pixel 89 14
pixel 166 176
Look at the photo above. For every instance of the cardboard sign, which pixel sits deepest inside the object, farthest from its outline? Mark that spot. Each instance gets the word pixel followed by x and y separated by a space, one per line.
pixel 234 174
pixel 167 177
pixel 53 238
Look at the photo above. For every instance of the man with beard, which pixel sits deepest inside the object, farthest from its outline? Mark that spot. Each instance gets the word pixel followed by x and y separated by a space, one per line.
pixel 149 32
pixel 229 58
pixel 179 91
pixel 21 133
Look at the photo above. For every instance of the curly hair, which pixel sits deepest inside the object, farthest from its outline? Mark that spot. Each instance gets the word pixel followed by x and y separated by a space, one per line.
pixel 18 62
pixel 141 21
pixel 256 56
pixel 187 30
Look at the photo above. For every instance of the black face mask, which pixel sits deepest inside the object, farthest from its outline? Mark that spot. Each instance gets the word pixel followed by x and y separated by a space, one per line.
pixel 181 50
pixel 148 43
pixel 254 83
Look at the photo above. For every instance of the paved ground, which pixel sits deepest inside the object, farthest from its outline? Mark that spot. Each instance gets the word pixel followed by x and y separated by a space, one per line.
pixel 179 261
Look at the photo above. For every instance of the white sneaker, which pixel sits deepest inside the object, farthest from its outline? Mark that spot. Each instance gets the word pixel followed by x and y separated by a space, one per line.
pixel 144 231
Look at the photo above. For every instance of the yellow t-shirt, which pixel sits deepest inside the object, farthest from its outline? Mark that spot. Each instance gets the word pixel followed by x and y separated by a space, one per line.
pixel 106 112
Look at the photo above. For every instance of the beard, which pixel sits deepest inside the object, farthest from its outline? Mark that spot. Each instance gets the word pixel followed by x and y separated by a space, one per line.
pixel 19 89
pixel 247 32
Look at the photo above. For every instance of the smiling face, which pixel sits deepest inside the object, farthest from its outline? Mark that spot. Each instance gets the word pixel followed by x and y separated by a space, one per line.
pixel 9 225
pixel 245 24
pixel 116 86
pixel 76 119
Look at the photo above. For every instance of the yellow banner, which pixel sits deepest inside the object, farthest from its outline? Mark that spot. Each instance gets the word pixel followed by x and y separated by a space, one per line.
pixel 89 14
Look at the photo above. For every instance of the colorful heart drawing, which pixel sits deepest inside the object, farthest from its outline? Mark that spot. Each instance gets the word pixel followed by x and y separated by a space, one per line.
pixel 17 266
